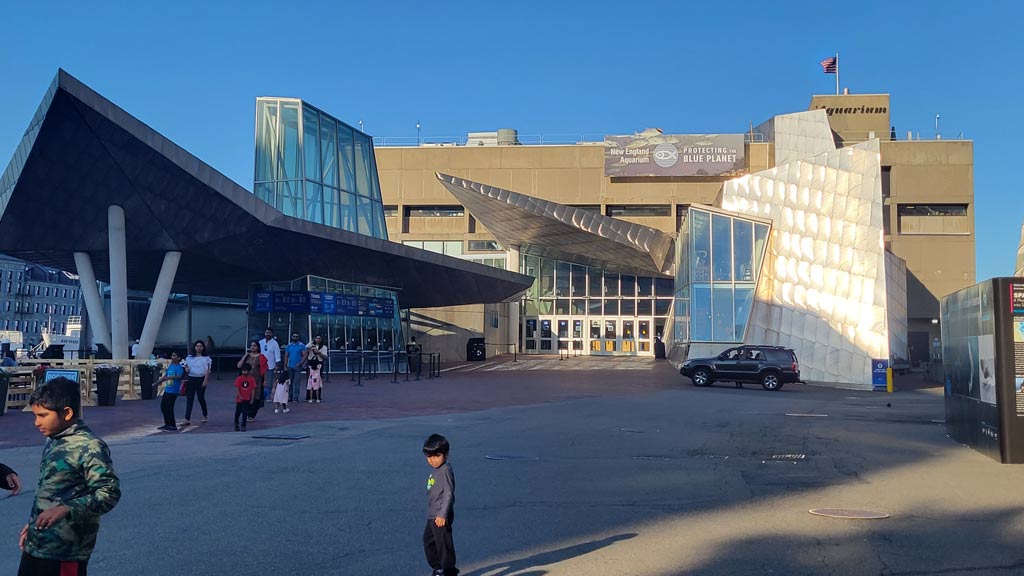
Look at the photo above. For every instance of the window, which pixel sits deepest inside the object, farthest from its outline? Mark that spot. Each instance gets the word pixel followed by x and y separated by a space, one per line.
pixel 483 246
pixel 35 308
pixel 435 211
pixel 633 210
pixel 65 293
pixel 933 219
pixel 595 208
pixel 7 306
pixel 390 211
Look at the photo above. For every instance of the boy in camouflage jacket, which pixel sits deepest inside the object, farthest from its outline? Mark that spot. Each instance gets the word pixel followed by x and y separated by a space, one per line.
pixel 77 484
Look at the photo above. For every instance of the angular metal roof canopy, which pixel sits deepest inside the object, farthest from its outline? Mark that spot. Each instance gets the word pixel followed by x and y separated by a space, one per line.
pixel 81 154
pixel 553 230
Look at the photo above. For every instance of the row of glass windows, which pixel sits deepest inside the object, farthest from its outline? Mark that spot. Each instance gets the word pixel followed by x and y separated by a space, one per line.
pixel 38 308
pixel 557 278
pixel 34 326
pixel 717 313
pixel 36 290
pixel 296 141
pixel 599 307
pixel 724 248
pixel 315 167
pixel 325 205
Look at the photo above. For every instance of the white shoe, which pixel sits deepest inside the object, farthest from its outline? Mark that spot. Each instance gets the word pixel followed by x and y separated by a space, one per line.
pixel 286 410
pixel 277 410
pixel 309 401
pixel 318 401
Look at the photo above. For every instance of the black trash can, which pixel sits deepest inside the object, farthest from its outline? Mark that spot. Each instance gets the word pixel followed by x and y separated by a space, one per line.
pixel 106 385
pixel 476 350
pixel 147 375
pixel 659 348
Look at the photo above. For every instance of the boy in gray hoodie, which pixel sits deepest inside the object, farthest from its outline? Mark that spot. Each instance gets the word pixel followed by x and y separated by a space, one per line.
pixel 437 536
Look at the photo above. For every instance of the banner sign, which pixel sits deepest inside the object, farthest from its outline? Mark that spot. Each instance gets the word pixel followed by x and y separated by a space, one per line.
pixel 291 301
pixel 651 153
pixel 323 303
pixel 263 302
pixel 880 373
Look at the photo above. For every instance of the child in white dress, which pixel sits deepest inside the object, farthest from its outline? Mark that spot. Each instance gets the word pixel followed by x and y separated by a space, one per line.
pixel 281 393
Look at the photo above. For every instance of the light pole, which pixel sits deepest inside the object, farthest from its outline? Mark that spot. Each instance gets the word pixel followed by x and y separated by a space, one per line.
pixel 937 127
pixel 418 141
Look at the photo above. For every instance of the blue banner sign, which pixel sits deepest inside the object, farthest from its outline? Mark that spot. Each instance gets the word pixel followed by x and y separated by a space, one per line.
pixel 263 302
pixel 323 303
pixel 291 301
pixel 880 373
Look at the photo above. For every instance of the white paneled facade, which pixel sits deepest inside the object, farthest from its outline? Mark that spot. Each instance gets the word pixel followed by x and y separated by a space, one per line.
pixel 824 290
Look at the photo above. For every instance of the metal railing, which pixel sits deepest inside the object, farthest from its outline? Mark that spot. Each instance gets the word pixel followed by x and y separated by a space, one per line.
pixel 368 364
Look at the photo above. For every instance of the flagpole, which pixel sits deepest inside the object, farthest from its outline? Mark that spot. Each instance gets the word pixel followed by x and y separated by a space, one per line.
pixel 837 73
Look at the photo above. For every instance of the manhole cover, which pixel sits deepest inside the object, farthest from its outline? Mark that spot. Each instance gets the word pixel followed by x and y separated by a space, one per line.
pixel 783 458
pixel 848 513
pixel 282 436
pixel 509 457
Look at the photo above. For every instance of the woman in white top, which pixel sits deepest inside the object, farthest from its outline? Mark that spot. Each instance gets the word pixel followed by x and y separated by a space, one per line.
pixel 318 349
pixel 197 366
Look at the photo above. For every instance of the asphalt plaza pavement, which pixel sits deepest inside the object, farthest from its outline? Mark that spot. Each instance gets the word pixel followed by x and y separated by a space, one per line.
pixel 558 471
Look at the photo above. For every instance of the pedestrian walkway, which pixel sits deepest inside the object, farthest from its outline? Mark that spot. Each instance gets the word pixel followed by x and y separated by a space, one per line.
pixel 468 387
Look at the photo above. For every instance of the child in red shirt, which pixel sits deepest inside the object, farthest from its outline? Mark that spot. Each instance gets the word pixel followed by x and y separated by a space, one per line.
pixel 245 397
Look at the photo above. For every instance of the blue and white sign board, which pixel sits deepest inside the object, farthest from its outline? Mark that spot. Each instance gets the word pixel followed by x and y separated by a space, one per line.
pixel 52 373
pixel 880 373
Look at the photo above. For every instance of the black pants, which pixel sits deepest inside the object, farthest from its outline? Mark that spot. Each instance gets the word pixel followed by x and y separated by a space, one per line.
pixel 195 388
pixel 242 409
pixel 440 548
pixel 32 566
pixel 167 407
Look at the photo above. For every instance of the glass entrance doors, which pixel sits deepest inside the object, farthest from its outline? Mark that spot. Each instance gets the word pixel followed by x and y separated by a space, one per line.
pixel 619 336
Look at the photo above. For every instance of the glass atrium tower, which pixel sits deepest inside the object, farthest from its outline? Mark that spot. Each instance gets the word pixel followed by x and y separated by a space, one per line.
pixel 313 166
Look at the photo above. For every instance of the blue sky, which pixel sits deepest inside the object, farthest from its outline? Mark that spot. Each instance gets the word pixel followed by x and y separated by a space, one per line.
pixel 192 70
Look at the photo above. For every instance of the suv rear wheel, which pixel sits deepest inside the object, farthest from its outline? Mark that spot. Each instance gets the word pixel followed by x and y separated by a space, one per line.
pixel 770 381
pixel 701 377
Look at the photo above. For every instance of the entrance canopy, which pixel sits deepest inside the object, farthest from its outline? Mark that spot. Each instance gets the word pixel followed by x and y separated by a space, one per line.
pixel 82 154
pixel 560 232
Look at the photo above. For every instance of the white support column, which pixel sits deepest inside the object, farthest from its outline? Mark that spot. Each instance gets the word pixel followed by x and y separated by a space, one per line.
pixel 513 307
pixel 93 302
pixel 118 283
pixel 158 304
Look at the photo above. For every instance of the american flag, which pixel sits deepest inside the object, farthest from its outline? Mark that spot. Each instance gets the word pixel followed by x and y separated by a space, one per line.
pixel 829 65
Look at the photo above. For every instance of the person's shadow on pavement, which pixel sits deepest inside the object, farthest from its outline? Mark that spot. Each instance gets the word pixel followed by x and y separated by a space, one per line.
pixel 547 558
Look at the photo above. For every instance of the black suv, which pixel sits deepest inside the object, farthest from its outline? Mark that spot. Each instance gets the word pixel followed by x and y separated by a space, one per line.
pixel 771 366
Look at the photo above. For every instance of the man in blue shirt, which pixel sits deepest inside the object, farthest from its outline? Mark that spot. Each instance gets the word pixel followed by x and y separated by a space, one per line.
pixel 294 358
pixel 9 359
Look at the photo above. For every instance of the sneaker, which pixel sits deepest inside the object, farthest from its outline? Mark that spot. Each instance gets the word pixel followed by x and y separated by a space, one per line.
pixel 318 401
pixel 277 410
pixel 205 420
pixel 236 428
pixel 186 423
pixel 168 428
pixel 309 401
pixel 286 410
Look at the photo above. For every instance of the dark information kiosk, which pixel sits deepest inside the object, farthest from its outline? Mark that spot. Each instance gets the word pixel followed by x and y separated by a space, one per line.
pixel 983 361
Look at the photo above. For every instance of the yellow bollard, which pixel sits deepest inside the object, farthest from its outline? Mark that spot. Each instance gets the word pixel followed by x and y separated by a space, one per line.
pixel 888 380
